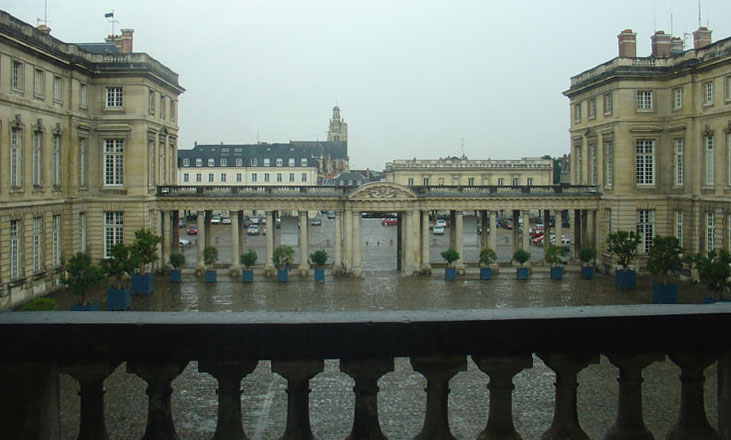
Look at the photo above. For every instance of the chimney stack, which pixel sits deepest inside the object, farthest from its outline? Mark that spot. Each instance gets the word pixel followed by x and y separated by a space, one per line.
pixel 701 38
pixel 627 44
pixel 661 45
pixel 123 42
pixel 676 46
pixel 44 29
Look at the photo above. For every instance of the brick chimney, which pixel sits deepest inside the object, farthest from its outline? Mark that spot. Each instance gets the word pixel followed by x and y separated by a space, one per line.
pixel 627 44
pixel 123 42
pixel 676 46
pixel 701 38
pixel 44 29
pixel 661 44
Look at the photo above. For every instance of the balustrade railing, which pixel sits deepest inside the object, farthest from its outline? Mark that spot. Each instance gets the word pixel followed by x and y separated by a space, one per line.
pixel 501 342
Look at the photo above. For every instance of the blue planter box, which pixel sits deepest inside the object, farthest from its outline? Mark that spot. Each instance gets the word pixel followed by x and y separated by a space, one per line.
pixel 247 276
pixel 625 279
pixel 174 276
pixel 556 273
pixel 282 275
pixel 709 300
pixel 210 276
pixel 450 274
pixel 522 273
pixel 319 274
pixel 485 273
pixel 89 307
pixel 142 284
pixel 587 272
pixel 664 294
pixel 118 299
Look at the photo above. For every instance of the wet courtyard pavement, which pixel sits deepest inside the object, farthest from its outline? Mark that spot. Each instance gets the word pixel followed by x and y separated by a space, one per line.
pixel 402 397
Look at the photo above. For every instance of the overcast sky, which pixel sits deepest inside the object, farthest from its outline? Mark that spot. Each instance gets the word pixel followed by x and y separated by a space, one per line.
pixel 411 77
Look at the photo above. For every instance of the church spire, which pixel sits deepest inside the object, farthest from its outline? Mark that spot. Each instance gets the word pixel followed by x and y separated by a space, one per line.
pixel 338 127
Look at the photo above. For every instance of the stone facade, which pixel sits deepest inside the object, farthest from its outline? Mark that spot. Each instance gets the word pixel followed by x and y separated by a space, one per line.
pixel 87 132
pixel 652 134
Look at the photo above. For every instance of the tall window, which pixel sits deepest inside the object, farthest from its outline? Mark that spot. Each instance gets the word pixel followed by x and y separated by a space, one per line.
pixel 113 230
pixel 161 147
pixel 151 163
pixel 239 177
pixel 198 177
pixel 592 177
pixel 708 93
pixel 303 162
pixel 16 158
pixel 579 164
pixel 162 107
pixel 645 229
pixel 515 181
pixel 710 231
pixel 253 177
pixel 82 95
pixel 425 181
pixel 708 142
pixel 224 162
pixel 114 162
pixel 57 89
pixel 678 162
pixel 411 181
pixel 291 177
pixel 151 102
pixel 55 240
pixel 114 97
pixel 608 163
pixel 56 160
pixel 608 104
pixel 592 108
pixel 266 177
pixel 728 160
pixel 577 112
pixel 37 243
pixel 678 98
pixel 172 110
pixel 644 99
pixel 279 177
pixel 239 162
pixel 210 177
pixel 530 181
pixel 82 162
pixel 14 248
pixel 82 232
pixel 37 156
pixel 223 177
pixel 39 83
pixel 728 88
pixel 16 76
pixel 679 226
pixel 304 177
pixel 186 177
pixel 645 161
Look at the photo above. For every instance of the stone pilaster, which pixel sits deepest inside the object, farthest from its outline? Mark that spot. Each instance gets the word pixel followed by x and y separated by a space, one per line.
pixel 167 229
pixel 459 241
pixel 425 263
pixel 201 240
pixel 493 230
pixel 207 222
pixel 692 423
pixel 485 225
pixel 558 226
pixel 438 370
pixel 516 231
pixel 269 241
pixel 158 376
pixel 547 230
pixel 92 424
pixel 229 375
pixel 304 245
pixel 298 375
pixel 348 241
pixel 525 235
pixel 235 268
pixel 357 244
pixel 366 374
pixel 338 241
pixel 175 232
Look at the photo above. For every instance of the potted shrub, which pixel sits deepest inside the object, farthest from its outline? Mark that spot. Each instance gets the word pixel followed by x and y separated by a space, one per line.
pixel 119 267
pixel 210 256
pixel 40 305
pixel 623 245
pixel 664 259
pixel 554 256
pixel 248 259
pixel 587 255
pixel 282 257
pixel 80 274
pixel 522 256
pixel 144 251
pixel 714 272
pixel 319 258
pixel 450 256
pixel 177 260
pixel 488 257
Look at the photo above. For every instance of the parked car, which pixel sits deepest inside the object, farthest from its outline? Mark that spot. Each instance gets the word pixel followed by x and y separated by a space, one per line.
pixel 216 220
pixel 183 243
pixel 438 230
pixel 441 222
pixel 192 230
pixel 226 220
pixel 254 220
pixel 247 221
pixel 252 230
pixel 389 221
pixel 316 221
pixel 330 215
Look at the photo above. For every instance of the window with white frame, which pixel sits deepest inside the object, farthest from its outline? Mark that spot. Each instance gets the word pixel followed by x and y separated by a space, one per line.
pixel 57 89
pixel 198 177
pixel 114 97
pixel 223 177
pixel 608 163
pixel 210 177
pixel 266 177
pixel 114 162
pixel 253 177
pixel 186 177
pixel 708 93
pixel 515 181
pixel 593 170
pixel 266 162
pixel 151 102
pixel 645 161
pixel 173 113
pixel 239 177
pixel 530 181
pixel 37 158
pixel 710 231
pixel 39 83
pixel 162 107
pixel 16 76
pixel 186 162
pixel 254 162
pixel 82 232
pixel 644 100
pixel 709 156
pixel 279 177
pixel 82 162
pixel 679 226
pixel 304 177
pixel 56 160
pixel 239 162
pixel 579 164
pixel 14 249
pixel 224 162
pixel 290 162
pixel 303 162
pixel 410 181
pixel 678 162
pixel 608 103
pixel 113 230
pixel 16 158
pixel 151 163
pixel 645 229
pixel 83 103
pixel 425 181
pixel 211 162
pixel 37 243
pixel 56 240
pixel 677 98
pixel 279 162
pixel 592 108
pixel 577 112
pixel 500 181
pixel 291 177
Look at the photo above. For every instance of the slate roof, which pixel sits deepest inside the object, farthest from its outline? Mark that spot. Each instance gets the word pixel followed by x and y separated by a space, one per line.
pixel 296 150
pixel 98 48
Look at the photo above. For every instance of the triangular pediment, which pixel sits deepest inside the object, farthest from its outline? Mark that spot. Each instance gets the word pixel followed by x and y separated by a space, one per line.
pixel 382 191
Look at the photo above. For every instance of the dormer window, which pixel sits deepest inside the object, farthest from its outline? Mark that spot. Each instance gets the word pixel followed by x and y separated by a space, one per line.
pixel 279 161
pixel 291 161
pixel 186 162
pixel 254 162
pixel 211 162
pixel 266 161
pixel 303 162
pixel 224 162
pixel 199 162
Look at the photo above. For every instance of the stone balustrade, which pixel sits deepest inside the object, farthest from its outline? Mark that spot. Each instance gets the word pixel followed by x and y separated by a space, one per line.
pixel 157 347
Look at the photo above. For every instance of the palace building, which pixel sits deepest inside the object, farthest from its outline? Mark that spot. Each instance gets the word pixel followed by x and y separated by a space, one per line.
pixel 653 135
pixel 87 133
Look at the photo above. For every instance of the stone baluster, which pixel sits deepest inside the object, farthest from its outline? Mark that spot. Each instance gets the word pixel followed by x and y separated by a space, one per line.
pixel 438 370
pixel 629 424
pixel 229 375
pixel 501 370
pixel 158 376
pixel 692 423
pixel 565 423
pixel 366 374
pixel 92 425
pixel 298 375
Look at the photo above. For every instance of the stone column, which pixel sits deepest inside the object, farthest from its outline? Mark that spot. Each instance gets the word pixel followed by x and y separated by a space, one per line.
pixel 366 374
pixel 175 230
pixel 584 229
pixel 229 375
pixel 577 231
pixel 516 231
pixel 459 241
pixel 357 244
pixel 242 231
pixel 167 229
pixel 298 375
pixel 525 235
pixel 158 376
pixel 348 238
pixel 493 230
pixel 452 235
pixel 416 238
pixel 438 370
pixel 207 222
pixel 565 423
pixel 201 240
pixel 425 257
pixel 501 370
pixel 692 423
pixel 596 236
pixel 408 249
pixel 724 397
pixel 304 245
pixel 629 424
pixel 338 241
pixel 547 230
pixel 269 240
pixel 92 425
pixel 558 226
pixel 485 224
pixel 235 268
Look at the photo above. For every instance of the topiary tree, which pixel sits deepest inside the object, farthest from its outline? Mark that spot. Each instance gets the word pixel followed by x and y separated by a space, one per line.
pixel 282 256
pixel 521 256
pixel 664 257
pixel 488 257
pixel 587 255
pixel 177 260
pixel 623 244
pixel 319 257
pixel 121 263
pixel 554 254
pixel 144 248
pixel 714 270
pixel 81 274
pixel 210 256
pixel 450 256
pixel 248 258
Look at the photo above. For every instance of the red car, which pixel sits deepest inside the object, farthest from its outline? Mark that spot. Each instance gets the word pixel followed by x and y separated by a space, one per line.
pixel 389 222
pixel 192 230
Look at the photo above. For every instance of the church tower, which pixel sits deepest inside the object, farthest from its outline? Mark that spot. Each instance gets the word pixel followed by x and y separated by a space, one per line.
pixel 338 128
